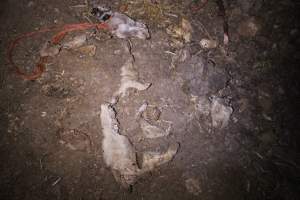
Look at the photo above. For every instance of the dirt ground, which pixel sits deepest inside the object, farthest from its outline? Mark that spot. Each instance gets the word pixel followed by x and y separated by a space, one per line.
pixel 50 141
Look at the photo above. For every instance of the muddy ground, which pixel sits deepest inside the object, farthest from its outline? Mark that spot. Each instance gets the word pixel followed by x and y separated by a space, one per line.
pixel 50 128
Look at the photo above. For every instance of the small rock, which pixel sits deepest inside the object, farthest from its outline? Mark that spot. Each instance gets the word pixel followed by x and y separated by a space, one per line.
pixel 89 50
pixel 193 186
pixel 208 44
pixel 249 27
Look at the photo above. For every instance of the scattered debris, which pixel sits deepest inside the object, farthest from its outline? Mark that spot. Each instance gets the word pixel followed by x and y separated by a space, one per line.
pixel 193 186
pixel 119 154
pixel 220 113
pixel 75 42
pixel 89 50
pixel 208 44
pixel 249 27
pixel 129 79
pixel 120 24
pixel 40 66
pixel 183 31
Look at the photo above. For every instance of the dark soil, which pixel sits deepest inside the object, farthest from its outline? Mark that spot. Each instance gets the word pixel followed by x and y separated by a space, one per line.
pixel 50 139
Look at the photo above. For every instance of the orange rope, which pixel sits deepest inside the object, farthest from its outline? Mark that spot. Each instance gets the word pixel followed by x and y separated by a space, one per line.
pixel 40 66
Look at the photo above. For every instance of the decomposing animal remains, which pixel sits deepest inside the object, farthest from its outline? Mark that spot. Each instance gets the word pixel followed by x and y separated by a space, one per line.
pixel 120 24
pixel 120 155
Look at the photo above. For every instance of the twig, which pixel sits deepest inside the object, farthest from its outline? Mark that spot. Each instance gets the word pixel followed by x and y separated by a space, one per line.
pixel 56 182
pixel 258 155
